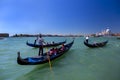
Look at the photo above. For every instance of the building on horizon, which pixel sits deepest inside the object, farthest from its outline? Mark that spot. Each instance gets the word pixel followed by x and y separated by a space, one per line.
pixel 105 32
pixel 4 35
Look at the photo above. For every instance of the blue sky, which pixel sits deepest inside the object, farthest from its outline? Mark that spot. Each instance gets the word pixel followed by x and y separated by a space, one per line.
pixel 59 16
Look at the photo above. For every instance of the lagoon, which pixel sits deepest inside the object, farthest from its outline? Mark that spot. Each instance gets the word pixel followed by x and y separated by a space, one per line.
pixel 79 63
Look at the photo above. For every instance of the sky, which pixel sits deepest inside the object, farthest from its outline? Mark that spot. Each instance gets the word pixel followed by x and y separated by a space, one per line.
pixel 59 16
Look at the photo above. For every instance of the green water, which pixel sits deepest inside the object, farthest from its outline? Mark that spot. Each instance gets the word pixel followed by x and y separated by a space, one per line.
pixel 79 63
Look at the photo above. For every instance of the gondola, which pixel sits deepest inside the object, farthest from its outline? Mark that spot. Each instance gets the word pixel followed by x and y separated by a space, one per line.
pixel 44 58
pixel 118 37
pixel 94 45
pixel 45 45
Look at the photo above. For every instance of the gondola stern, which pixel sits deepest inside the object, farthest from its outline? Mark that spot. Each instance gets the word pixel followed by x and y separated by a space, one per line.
pixel 26 42
pixel 19 58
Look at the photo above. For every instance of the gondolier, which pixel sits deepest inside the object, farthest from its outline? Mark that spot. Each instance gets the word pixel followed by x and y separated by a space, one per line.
pixel 40 41
pixel 87 39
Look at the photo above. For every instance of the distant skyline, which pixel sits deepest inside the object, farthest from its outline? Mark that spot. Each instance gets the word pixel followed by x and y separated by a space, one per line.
pixel 59 16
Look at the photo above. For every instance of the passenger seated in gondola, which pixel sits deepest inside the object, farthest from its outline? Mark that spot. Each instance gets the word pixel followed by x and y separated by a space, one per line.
pixel 47 43
pixel 62 48
pixel 101 43
pixel 35 42
pixel 51 51
pixel 55 51
pixel 53 42
pixel 96 44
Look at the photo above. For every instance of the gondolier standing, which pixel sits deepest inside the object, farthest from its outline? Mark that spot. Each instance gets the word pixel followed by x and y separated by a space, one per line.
pixel 40 41
pixel 87 39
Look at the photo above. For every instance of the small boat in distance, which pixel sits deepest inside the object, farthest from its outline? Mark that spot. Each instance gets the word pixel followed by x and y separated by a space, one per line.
pixel 45 45
pixel 118 37
pixel 94 45
pixel 45 57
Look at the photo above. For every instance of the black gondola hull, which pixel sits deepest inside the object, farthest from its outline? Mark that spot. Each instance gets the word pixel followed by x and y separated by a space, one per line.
pixel 101 44
pixel 44 59
pixel 45 45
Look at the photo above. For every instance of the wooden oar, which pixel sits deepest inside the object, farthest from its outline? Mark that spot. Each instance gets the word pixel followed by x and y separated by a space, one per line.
pixel 49 59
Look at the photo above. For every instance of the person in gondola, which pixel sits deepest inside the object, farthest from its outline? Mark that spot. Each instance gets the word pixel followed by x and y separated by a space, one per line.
pixel 51 51
pixel 87 37
pixel 63 47
pixel 35 41
pixel 40 41
pixel 53 42
pixel 55 51
pixel 95 43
